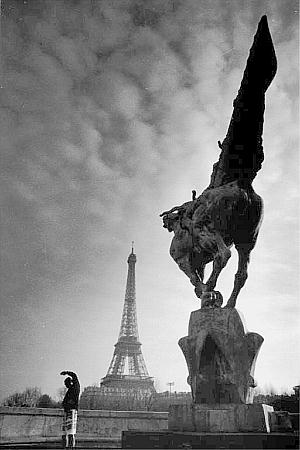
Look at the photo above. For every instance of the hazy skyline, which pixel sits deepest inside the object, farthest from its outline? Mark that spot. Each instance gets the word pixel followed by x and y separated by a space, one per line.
pixel 110 113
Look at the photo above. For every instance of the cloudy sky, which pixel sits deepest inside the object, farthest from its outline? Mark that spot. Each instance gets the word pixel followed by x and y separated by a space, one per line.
pixel 110 113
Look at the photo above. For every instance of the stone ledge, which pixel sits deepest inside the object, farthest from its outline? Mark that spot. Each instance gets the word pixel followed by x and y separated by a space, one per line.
pixel 14 410
pixel 8 410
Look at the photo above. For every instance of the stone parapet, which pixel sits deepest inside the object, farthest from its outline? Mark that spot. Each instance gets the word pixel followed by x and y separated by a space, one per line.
pixel 35 423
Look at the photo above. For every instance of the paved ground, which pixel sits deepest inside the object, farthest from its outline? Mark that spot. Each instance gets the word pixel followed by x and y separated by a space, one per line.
pixel 56 444
pixel 48 447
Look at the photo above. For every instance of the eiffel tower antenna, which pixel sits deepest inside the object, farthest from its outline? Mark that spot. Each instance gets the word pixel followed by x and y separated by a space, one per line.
pixel 127 371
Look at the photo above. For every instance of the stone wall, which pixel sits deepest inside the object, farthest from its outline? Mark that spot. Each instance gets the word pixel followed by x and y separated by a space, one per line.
pixel 30 424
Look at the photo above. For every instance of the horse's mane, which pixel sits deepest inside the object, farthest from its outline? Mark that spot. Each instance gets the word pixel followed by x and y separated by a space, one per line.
pixel 242 151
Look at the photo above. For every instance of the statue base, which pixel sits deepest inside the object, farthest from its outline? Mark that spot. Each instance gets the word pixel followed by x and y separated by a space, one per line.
pixel 225 418
pixel 220 357
pixel 177 439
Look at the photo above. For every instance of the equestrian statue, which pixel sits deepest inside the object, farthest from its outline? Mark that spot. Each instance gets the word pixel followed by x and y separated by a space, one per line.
pixel 229 211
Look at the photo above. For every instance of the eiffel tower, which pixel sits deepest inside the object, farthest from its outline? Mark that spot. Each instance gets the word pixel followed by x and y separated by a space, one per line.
pixel 127 372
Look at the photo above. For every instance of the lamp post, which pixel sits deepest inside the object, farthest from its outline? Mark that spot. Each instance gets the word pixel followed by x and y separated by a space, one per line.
pixel 170 384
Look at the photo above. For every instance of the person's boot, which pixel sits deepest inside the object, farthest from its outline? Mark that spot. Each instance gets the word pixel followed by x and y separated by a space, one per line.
pixel 64 441
pixel 72 441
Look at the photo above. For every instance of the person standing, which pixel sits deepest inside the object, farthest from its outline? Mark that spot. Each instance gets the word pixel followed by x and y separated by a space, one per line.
pixel 70 405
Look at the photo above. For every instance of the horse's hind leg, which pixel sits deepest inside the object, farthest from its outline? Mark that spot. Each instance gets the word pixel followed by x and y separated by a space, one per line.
pixel 241 274
pixel 221 256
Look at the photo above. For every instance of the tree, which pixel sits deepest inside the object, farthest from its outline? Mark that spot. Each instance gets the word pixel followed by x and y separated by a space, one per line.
pixel 28 398
pixel 280 402
pixel 61 392
pixel 286 402
pixel 45 401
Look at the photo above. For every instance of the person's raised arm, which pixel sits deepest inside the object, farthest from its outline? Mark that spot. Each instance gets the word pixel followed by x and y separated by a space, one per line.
pixel 73 376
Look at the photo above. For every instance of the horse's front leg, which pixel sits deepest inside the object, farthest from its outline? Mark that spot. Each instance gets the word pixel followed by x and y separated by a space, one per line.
pixel 184 263
pixel 220 260
pixel 186 266
pixel 241 274
pixel 199 267
pixel 184 260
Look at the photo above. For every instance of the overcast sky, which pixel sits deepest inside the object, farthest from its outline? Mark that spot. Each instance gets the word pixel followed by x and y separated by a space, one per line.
pixel 110 114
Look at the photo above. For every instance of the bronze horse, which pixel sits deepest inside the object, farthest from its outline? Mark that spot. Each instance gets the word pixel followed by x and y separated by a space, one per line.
pixel 207 228
pixel 228 212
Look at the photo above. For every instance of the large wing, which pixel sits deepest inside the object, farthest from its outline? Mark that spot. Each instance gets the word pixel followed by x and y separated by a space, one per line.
pixel 242 151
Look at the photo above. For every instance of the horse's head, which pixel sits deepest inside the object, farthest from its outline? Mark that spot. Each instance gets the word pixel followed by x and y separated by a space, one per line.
pixel 169 221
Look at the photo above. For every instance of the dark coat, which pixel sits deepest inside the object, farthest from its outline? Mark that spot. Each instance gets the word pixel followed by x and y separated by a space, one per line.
pixel 71 398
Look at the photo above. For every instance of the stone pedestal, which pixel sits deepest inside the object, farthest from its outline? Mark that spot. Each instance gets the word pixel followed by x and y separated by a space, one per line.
pixel 223 418
pixel 220 357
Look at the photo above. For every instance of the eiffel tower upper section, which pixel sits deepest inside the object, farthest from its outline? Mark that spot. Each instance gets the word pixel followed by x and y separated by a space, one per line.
pixel 129 329
pixel 127 370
